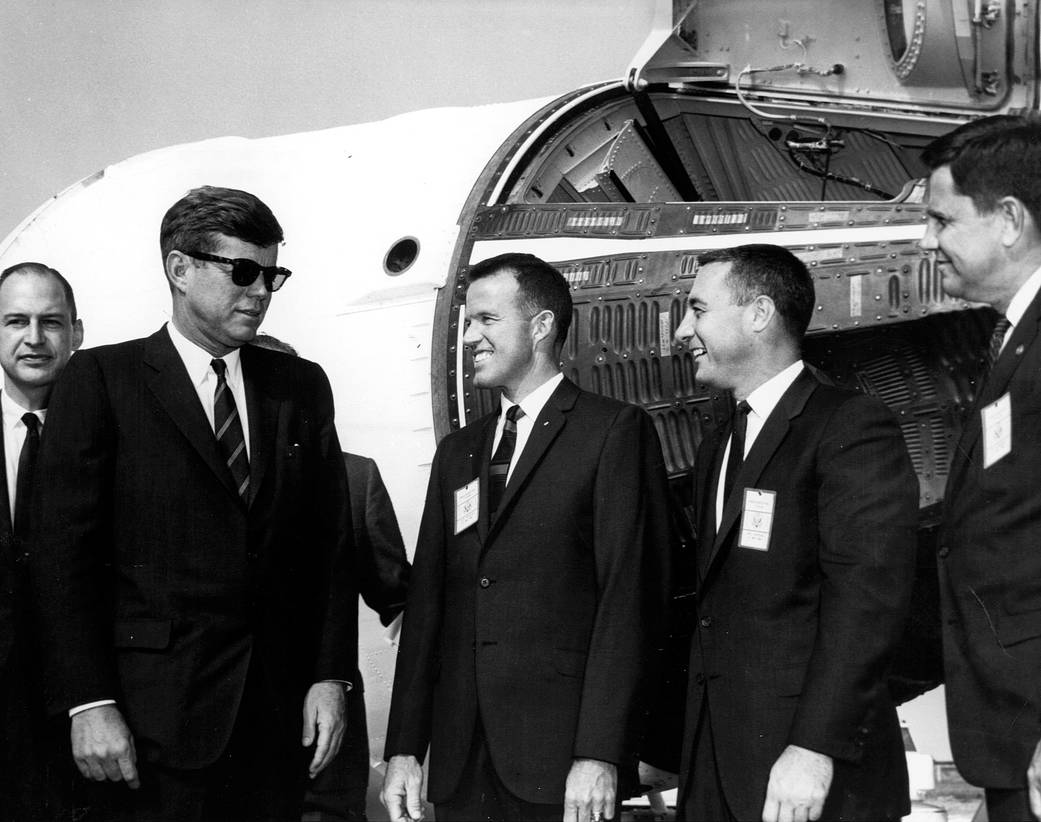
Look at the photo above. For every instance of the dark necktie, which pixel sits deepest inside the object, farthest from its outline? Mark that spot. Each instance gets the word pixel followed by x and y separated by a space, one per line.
pixel 737 447
pixel 26 466
pixel 996 339
pixel 228 427
pixel 499 467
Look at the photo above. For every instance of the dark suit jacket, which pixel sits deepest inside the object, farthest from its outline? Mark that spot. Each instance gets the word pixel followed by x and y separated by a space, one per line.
pixel 10 573
pixel 383 571
pixel 793 643
pixel 382 563
pixel 158 587
pixel 34 751
pixel 542 620
pixel 990 576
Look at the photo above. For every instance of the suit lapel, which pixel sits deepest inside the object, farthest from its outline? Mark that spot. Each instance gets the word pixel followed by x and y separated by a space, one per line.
pixel 774 430
pixel 6 526
pixel 263 407
pixel 546 428
pixel 996 383
pixel 168 380
pixel 709 468
pixel 480 459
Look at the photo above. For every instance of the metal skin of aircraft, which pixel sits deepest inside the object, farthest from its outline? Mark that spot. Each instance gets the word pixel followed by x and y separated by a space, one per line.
pixel 797 123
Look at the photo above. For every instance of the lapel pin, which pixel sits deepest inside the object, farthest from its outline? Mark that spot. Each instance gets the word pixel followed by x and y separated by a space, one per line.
pixel 545 423
pixel 1020 349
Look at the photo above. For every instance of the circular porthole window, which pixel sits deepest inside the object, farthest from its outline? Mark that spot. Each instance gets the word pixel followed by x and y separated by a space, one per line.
pixel 401 256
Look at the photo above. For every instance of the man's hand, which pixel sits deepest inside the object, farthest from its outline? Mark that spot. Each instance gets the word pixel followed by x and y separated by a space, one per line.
pixel 590 790
pixel 103 747
pixel 1034 781
pixel 403 789
pixel 799 784
pixel 325 714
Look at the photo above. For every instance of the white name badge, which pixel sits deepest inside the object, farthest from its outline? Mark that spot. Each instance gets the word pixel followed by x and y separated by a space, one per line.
pixel 757 519
pixel 997 430
pixel 467 505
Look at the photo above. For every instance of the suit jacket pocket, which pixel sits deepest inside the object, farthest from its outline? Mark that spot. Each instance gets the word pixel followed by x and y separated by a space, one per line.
pixel 569 661
pixel 789 679
pixel 1019 627
pixel 147 634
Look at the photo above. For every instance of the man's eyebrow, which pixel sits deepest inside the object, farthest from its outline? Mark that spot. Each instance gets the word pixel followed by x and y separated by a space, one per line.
pixel 936 215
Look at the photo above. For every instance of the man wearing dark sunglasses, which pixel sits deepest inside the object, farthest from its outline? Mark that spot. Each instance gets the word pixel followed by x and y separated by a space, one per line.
pixel 193 528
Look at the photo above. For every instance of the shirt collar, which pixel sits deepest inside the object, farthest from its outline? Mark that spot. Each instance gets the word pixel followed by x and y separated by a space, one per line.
pixel 532 404
pixel 197 359
pixel 1024 297
pixel 764 399
pixel 13 412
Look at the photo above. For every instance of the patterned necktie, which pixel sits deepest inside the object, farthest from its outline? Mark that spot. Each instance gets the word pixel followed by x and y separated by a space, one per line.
pixel 26 466
pixel 499 467
pixel 996 339
pixel 228 427
pixel 737 447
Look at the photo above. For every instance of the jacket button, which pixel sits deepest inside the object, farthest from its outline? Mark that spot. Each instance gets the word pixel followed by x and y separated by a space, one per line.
pixel 943 552
pixel 706 622
pixel 485 582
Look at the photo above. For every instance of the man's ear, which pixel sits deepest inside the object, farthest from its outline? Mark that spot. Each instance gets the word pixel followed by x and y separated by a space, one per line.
pixel 1015 220
pixel 543 325
pixel 77 335
pixel 763 311
pixel 177 264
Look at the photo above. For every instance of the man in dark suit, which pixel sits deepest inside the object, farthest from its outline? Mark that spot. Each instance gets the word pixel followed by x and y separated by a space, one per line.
pixel 538 584
pixel 806 510
pixel 192 556
pixel 985 231
pixel 339 792
pixel 39 331
pixel 382 570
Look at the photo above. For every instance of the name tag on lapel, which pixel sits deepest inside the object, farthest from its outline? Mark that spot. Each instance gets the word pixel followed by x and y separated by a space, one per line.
pixel 467 505
pixel 997 429
pixel 757 519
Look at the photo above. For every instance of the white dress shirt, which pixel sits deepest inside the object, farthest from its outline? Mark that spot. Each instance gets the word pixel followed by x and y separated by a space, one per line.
pixel 197 361
pixel 761 403
pixel 1019 304
pixel 14 439
pixel 532 406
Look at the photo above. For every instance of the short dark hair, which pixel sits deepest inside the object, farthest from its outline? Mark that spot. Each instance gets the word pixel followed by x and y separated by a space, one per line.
pixel 45 271
pixel 194 221
pixel 771 271
pixel 991 158
pixel 273 343
pixel 542 287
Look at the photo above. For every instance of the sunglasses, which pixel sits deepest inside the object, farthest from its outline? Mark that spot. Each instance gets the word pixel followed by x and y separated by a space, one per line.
pixel 244 272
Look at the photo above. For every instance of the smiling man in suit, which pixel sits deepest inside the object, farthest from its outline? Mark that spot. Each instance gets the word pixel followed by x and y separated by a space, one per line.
pixel 539 580
pixel 39 330
pixel 192 560
pixel 806 508
pixel 985 231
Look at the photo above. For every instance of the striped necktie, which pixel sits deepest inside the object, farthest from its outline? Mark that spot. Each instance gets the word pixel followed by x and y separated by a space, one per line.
pixel 996 340
pixel 499 467
pixel 228 427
